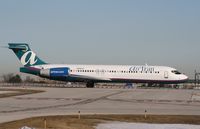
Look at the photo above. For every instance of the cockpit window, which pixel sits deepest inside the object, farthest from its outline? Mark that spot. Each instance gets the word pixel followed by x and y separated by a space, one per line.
pixel 175 72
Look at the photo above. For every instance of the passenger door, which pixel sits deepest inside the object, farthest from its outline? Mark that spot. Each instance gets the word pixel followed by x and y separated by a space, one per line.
pixel 166 74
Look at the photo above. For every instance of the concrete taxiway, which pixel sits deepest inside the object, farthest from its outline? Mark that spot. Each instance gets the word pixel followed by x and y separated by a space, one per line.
pixel 63 101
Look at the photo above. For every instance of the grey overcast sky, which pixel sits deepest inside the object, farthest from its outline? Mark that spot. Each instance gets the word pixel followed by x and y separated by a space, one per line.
pixel 156 32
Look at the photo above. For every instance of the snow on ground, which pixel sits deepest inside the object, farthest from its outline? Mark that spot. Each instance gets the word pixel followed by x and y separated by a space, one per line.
pixel 123 125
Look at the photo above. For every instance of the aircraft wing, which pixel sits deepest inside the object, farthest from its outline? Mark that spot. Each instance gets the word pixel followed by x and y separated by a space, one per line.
pixel 84 77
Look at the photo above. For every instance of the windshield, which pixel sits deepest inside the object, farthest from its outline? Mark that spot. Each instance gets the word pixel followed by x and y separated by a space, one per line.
pixel 175 72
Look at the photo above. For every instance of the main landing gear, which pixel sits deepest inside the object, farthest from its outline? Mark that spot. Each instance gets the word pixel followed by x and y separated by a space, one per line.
pixel 90 84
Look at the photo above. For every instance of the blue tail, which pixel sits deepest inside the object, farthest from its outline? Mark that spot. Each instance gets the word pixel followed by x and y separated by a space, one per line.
pixel 26 56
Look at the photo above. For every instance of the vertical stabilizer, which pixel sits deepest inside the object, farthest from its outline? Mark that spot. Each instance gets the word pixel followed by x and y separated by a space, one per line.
pixel 26 56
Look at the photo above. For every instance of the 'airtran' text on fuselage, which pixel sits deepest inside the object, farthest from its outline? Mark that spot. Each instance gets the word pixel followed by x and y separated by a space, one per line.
pixel 141 69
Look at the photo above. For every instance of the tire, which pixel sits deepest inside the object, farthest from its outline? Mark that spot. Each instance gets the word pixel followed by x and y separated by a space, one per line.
pixel 90 85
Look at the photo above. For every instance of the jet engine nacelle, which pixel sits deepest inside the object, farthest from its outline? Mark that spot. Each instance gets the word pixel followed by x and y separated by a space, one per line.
pixel 55 72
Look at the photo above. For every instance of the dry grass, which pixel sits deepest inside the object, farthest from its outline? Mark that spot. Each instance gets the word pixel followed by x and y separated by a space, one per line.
pixel 53 122
pixel 89 121
pixel 18 92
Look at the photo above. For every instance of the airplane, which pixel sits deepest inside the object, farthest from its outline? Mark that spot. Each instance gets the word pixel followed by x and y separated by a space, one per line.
pixel 91 74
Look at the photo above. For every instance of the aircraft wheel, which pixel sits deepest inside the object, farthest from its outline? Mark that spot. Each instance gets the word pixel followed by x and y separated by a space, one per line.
pixel 90 85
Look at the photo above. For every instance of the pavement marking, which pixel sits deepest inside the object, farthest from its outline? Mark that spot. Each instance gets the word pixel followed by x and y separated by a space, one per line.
pixel 87 101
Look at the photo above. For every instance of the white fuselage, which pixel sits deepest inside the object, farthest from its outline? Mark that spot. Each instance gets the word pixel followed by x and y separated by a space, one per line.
pixel 121 73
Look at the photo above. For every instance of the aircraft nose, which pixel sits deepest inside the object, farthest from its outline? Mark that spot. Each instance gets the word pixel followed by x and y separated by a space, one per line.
pixel 184 77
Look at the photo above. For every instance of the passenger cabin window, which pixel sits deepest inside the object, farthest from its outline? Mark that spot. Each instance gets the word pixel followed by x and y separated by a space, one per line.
pixel 175 72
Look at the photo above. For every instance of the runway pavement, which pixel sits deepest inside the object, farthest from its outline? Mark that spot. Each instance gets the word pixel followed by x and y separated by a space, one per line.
pixel 63 101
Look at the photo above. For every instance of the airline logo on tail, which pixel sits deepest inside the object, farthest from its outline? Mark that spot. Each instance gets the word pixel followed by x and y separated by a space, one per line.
pixel 28 57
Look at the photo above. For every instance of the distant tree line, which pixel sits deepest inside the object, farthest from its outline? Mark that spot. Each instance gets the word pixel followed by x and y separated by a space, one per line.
pixel 12 78
pixel 16 78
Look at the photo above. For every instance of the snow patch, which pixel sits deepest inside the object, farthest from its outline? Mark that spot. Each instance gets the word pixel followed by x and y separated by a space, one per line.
pixel 124 125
